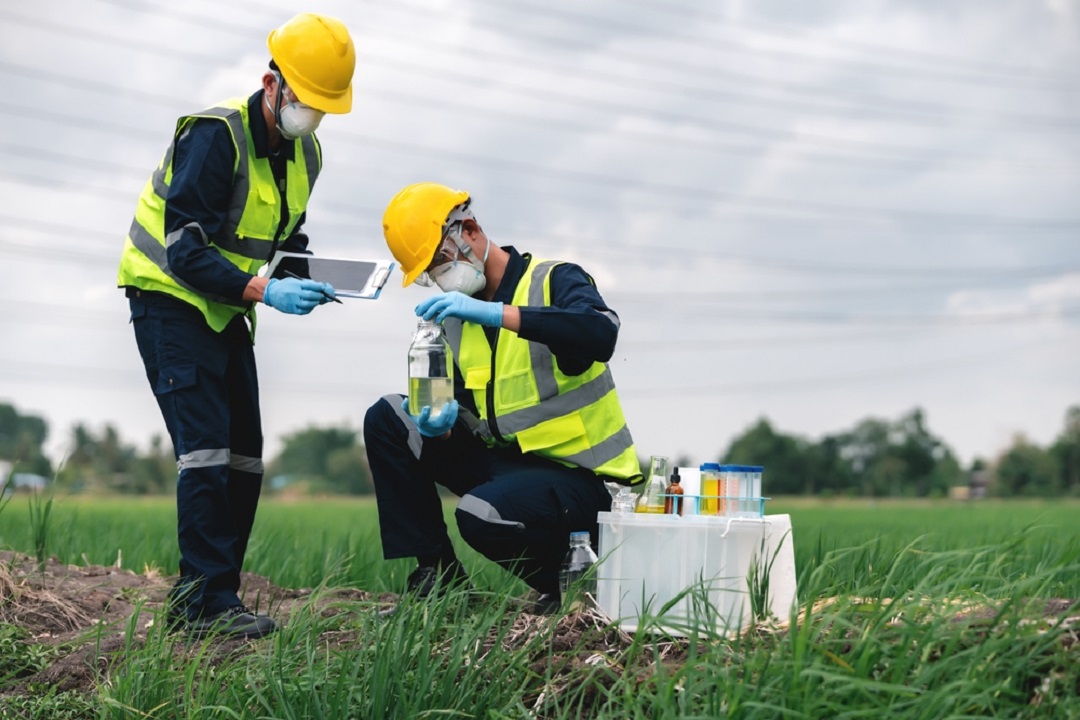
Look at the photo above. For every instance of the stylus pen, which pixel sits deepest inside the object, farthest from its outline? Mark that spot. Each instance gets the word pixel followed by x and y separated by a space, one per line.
pixel 328 297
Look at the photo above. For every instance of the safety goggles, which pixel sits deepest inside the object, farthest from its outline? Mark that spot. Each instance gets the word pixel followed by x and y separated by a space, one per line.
pixel 447 252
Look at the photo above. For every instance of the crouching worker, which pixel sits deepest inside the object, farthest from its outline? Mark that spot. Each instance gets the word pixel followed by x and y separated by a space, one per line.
pixel 535 427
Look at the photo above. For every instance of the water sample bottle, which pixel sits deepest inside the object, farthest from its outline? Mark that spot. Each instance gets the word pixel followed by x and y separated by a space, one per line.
pixel 431 369
pixel 673 495
pixel 652 498
pixel 576 576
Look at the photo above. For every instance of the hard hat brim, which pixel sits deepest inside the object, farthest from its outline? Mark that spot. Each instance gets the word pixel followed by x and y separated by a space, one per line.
pixel 332 105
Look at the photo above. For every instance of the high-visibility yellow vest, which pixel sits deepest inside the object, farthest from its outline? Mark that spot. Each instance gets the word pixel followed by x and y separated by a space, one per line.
pixel 251 231
pixel 573 419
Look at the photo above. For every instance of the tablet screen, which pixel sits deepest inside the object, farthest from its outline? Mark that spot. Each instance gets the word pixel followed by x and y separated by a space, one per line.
pixel 350 278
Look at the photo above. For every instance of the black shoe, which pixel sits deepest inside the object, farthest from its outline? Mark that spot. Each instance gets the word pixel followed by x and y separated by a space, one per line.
pixel 236 621
pixel 426 580
pixel 546 604
pixel 174 620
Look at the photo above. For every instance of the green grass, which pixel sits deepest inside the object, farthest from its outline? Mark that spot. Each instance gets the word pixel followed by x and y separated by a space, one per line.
pixel 921 610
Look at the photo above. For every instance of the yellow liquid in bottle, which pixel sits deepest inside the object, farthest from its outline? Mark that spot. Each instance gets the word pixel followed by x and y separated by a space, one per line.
pixel 433 392
pixel 710 489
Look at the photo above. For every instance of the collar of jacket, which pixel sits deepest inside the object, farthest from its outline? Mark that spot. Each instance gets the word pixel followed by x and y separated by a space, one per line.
pixel 260 135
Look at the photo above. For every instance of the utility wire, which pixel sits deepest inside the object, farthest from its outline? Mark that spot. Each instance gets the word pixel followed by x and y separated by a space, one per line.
pixel 531 92
pixel 828 382
pixel 877 49
pixel 874 106
pixel 743 48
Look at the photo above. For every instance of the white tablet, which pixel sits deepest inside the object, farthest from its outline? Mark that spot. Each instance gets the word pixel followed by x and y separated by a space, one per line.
pixel 350 278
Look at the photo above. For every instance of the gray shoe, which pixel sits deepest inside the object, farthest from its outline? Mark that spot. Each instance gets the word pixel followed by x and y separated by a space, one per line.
pixel 237 621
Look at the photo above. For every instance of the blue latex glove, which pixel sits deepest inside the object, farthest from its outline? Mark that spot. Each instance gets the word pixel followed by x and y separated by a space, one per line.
pixel 460 305
pixel 433 427
pixel 296 297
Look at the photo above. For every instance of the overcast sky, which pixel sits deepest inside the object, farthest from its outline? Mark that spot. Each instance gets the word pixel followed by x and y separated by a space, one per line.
pixel 810 212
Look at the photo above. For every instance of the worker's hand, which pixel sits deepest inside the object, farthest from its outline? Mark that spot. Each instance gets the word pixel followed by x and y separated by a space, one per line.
pixel 459 305
pixel 437 426
pixel 328 293
pixel 296 297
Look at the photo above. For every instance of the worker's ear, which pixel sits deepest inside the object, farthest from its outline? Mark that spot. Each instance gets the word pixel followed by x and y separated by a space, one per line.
pixel 470 227
pixel 269 83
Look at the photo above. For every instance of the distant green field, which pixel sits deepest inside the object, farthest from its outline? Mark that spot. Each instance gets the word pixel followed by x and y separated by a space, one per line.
pixel 301 543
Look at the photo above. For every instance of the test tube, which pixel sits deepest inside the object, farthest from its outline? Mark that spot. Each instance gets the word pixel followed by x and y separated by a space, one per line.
pixel 729 489
pixel 710 492
pixel 756 471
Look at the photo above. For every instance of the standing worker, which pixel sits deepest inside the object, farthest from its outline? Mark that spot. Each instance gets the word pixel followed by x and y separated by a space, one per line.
pixel 535 427
pixel 231 191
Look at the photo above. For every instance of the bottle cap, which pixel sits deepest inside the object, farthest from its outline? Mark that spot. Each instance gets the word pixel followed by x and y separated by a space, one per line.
pixel 710 466
pixel 579 535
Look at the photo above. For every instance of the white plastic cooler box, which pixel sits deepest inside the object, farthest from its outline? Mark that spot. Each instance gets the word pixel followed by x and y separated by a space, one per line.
pixel 647 561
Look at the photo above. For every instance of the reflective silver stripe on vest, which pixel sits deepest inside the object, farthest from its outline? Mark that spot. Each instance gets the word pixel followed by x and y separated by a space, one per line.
pixel 475 425
pixel 203 458
pixel 241 180
pixel 603 452
pixel 158 178
pixel 613 318
pixel 155 251
pixel 246 463
pixel 579 398
pixel 416 440
pixel 311 161
pixel 194 227
pixel 541 357
pixel 551 404
pixel 485 511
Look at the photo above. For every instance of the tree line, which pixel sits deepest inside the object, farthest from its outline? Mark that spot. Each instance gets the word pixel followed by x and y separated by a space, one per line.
pixel 876 458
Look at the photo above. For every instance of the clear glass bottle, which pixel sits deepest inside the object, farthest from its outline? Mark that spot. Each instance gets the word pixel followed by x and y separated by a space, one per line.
pixel 431 369
pixel 652 498
pixel 577 579
pixel 623 498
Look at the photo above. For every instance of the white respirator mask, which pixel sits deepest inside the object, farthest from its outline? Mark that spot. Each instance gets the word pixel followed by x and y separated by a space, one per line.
pixel 294 119
pixel 464 276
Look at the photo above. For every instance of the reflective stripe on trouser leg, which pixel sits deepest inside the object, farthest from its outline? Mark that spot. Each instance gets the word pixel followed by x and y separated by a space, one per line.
pixel 406 469
pixel 523 516
pixel 206 387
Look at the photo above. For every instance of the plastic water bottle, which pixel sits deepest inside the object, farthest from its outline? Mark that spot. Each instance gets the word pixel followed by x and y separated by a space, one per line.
pixel 431 369
pixel 576 576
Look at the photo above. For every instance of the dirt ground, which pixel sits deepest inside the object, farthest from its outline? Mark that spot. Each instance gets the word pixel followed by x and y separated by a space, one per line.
pixel 58 606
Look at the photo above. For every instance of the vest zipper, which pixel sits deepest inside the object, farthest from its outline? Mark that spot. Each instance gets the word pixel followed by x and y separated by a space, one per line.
pixel 489 393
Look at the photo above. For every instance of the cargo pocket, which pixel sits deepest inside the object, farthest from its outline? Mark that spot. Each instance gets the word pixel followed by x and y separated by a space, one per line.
pixel 175 377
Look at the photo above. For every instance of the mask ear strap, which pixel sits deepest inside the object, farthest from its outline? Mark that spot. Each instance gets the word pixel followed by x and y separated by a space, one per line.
pixel 279 96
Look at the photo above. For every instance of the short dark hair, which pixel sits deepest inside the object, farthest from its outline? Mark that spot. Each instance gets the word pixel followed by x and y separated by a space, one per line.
pixel 273 65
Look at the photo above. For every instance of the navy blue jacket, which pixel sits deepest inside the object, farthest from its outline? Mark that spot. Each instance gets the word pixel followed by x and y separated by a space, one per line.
pixel 578 327
pixel 202 185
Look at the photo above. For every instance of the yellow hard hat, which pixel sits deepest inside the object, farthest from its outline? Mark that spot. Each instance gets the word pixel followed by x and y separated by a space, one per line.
pixel 316 57
pixel 413 224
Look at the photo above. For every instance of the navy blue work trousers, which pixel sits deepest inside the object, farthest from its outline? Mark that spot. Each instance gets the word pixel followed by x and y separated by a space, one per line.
pixel 515 509
pixel 208 391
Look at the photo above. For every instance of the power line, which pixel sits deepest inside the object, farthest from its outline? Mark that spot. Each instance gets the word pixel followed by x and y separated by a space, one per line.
pixel 531 92
pixel 828 382
pixel 1008 73
pixel 852 105
pixel 872 106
